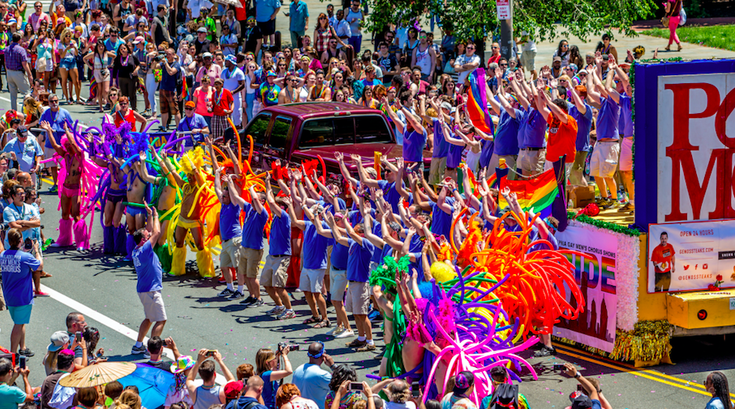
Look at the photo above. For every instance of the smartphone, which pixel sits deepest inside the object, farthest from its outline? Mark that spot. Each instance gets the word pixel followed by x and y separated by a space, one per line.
pixel 559 367
pixel 356 386
pixel 415 389
pixel 22 362
pixel 211 352
pixel 79 336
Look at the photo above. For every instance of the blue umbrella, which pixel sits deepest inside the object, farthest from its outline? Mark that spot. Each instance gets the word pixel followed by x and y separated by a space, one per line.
pixel 153 384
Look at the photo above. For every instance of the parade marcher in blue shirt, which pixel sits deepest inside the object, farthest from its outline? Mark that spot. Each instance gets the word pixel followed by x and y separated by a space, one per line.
pixel 150 280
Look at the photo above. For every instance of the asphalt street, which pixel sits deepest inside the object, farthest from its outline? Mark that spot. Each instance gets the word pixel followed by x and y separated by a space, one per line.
pixel 103 289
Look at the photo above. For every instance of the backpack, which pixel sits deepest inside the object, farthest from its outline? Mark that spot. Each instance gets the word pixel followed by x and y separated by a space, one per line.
pixel 505 396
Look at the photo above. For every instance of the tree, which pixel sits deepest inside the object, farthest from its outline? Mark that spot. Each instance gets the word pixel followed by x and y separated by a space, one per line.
pixel 544 19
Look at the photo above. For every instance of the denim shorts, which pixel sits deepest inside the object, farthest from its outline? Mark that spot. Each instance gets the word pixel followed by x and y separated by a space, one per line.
pixel 68 64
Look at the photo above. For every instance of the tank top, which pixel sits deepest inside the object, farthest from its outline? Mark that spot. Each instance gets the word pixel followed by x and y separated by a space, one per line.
pixel 124 12
pixel 202 99
pixel 206 397
pixel 423 60
pixel 322 39
pixel 303 94
pixel 44 49
pixel 354 27
pixel 120 119
pixel 99 63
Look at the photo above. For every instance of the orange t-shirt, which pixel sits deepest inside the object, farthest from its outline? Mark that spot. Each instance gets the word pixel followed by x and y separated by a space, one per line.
pixel 662 254
pixel 562 139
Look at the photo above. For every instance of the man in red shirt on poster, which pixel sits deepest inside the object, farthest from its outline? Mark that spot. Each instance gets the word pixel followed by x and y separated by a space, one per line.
pixel 664 263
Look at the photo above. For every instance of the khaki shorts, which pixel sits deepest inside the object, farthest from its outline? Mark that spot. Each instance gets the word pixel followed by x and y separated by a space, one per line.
pixel 249 262
pixel 49 153
pixel 275 271
pixel 312 280
pixel 230 254
pixel 604 160
pixel 153 306
pixel 436 171
pixel 531 162
pixel 337 284
pixel 358 298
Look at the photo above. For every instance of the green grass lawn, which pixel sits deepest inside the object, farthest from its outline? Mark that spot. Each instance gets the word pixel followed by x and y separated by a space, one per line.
pixel 711 36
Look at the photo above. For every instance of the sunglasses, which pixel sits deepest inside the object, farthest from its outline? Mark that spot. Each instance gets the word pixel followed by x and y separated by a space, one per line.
pixel 494 48
pixel 472 48
pixel 123 104
pixel 503 65
pixel 189 109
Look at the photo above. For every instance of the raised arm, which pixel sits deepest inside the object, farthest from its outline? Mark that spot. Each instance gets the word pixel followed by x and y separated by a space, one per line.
pixel 295 221
pixel 255 200
pixel 372 238
pixel 144 170
pixel 234 194
pixel 343 168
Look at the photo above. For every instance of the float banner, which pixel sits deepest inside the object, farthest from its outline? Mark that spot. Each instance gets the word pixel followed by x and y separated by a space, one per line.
pixel 690 256
pixel 595 275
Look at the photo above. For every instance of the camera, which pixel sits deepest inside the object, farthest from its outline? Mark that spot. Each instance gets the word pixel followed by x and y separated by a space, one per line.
pixel 211 352
pixel 160 56
pixel 559 367
pixel 290 347
pixel 356 386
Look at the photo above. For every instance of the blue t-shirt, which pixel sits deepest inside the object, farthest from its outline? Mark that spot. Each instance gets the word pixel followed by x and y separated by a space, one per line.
pixel 13 213
pixel 17 270
pixel 264 9
pixel 714 403
pixel 441 146
pixel 148 268
pixel 506 140
pixel 607 119
pixel 298 12
pixel 269 390
pixel 25 152
pixel 253 227
pixel 584 124
pixel 358 264
pixel 454 156
pixel 625 123
pixel 11 396
pixel 413 145
pixel 532 133
pixel 56 120
pixel 280 243
pixel 441 222
pixel 315 247
pixel 168 82
pixel 390 194
pixel 187 124
pixel 229 221
pixel 377 252
pixel 243 402
pixel 339 256
pixel 486 153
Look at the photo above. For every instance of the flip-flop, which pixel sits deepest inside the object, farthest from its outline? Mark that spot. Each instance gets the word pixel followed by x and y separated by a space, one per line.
pixel 311 320
pixel 45 274
pixel 323 324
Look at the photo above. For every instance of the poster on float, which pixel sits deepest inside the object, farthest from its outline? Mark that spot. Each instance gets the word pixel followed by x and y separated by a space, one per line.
pixel 595 275
pixel 690 256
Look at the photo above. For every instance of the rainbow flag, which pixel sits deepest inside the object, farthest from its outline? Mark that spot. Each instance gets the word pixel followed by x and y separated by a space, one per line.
pixel 477 102
pixel 537 193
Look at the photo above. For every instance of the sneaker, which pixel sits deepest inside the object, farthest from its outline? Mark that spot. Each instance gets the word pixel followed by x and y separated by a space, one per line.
pixel 257 303
pixel 356 344
pixel 367 347
pixel 26 352
pixel 237 295
pixel 335 331
pixel 226 293
pixel 277 310
pixel 138 350
pixel 345 334
pixel 287 314
pixel 545 351
pixel 626 207
pixel 40 294
pixel 53 189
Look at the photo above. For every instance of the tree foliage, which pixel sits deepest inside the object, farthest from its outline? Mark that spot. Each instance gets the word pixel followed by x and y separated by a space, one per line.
pixel 544 19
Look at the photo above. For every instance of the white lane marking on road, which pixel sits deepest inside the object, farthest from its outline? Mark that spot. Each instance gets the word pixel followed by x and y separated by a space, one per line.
pixel 108 322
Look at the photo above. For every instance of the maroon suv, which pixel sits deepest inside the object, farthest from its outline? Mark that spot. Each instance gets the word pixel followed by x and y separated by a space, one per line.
pixel 302 131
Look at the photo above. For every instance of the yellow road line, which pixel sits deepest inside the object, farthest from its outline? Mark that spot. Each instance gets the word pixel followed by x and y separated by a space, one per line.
pixel 641 373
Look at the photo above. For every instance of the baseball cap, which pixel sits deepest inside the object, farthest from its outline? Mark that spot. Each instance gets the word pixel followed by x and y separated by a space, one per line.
pixel 231 58
pixel 580 401
pixel 446 105
pixel 201 30
pixel 250 18
pixel 232 389
pixel 272 73
pixel 138 40
pixel 58 339
pixel 582 71
pixel 207 55
pixel 573 66
pixel 190 104
pixel 557 58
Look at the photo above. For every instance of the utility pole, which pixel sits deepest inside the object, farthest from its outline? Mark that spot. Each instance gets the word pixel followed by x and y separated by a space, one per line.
pixel 505 16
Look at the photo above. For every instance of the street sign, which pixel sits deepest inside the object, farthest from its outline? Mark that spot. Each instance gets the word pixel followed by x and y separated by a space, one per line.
pixel 504 10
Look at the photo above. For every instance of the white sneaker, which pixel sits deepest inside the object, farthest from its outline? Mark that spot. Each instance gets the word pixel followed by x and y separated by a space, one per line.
pixel 345 334
pixel 277 310
pixel 335 331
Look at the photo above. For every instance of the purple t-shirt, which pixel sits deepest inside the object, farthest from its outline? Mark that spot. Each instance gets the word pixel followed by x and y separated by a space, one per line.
pixel 607 119
pixel 229 221
pixel 584 124
pixel 506 140
pixel 532 133
pixel 625 123
pixel 17 272
pixel 339 256
pixel 441 146
pixel 148 268
pixel 413 145
pixel 454 157
pixel 441 222
pixel 358 263
pixel 315 247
